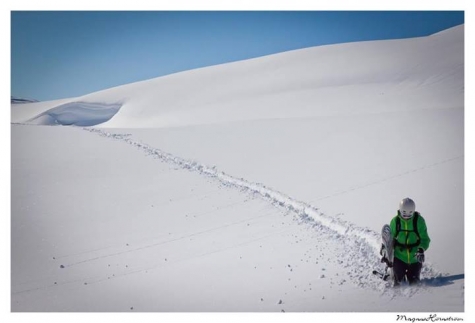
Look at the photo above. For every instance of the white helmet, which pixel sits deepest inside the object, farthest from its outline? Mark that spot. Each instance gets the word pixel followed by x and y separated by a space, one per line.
pixel 407 207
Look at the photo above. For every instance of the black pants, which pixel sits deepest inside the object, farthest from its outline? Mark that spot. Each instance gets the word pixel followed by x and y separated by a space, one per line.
pixel 411 271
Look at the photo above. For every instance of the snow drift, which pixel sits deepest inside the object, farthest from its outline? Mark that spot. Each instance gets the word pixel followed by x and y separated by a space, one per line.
pixel 78 114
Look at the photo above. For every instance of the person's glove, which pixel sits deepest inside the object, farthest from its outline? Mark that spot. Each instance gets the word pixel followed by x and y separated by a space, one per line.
pixel 420 255
pixel 381 250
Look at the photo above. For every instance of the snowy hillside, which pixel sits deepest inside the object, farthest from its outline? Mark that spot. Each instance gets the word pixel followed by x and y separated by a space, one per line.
pixel 259 185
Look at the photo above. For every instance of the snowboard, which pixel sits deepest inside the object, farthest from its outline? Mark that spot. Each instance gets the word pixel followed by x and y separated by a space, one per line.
pixel 387 253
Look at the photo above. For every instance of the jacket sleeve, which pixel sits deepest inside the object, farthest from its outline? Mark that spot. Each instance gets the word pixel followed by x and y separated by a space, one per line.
pixel 422 228
pixel 392 225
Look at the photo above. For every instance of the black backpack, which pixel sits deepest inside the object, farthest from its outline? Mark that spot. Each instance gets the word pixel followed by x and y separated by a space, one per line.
pixel 409 246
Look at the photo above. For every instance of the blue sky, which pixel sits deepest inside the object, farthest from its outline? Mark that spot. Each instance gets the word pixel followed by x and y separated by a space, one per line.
pixel 65 54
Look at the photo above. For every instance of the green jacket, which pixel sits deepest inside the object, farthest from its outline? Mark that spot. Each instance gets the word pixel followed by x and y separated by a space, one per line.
pixel 408 236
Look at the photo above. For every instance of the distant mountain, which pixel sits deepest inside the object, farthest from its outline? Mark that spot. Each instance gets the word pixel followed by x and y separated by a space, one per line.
pixel 15 100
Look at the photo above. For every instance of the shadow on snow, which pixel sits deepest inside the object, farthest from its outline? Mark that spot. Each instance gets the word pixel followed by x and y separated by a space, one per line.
pixel 442 280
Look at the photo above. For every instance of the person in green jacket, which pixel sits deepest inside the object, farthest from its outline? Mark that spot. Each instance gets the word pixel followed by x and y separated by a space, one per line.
pixel 411 240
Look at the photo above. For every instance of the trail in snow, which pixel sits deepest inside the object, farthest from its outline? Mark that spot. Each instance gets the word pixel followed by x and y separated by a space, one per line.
pixel 360 245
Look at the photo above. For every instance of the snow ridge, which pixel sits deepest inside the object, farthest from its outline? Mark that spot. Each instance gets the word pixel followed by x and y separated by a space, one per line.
pixel 81 114
pixel 360 245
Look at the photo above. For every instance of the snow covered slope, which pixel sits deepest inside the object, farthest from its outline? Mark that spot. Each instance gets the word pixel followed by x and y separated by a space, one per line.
pixel 345 79
pixel 266 180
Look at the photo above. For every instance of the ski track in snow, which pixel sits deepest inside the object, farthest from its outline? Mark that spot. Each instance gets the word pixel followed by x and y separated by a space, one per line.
pixel 360 245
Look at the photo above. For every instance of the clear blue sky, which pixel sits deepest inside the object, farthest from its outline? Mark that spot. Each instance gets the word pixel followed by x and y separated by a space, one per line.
pixel 66 54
